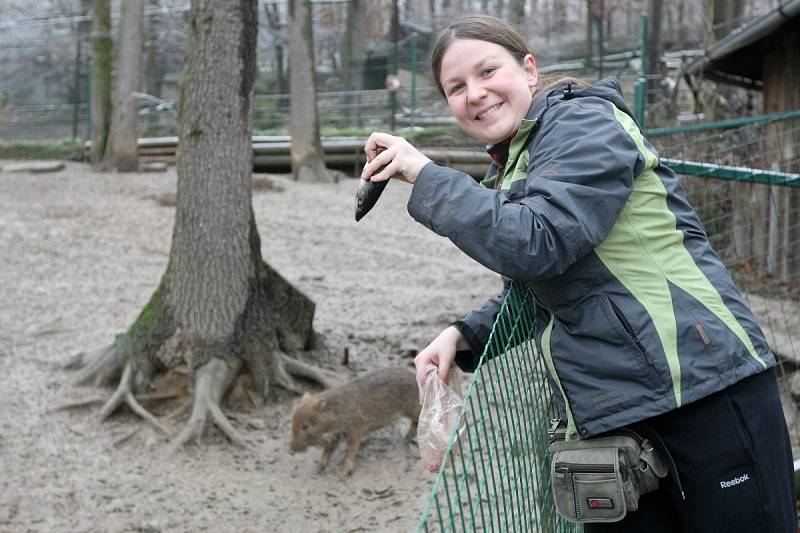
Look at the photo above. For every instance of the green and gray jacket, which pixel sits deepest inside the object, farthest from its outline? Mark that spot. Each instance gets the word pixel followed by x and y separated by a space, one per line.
pixel 636 313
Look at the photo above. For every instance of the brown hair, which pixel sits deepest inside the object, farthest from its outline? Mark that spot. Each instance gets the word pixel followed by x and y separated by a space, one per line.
pixel 481 28
pixel 492 30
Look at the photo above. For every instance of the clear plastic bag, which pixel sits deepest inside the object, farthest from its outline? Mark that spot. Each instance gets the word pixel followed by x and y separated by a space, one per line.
pixel 441 405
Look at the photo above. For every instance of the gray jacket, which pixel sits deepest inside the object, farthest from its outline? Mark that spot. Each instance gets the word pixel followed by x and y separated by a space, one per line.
pixel 636 314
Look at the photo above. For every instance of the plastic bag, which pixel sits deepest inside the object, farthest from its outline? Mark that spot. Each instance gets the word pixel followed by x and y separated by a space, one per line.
pixel 441 405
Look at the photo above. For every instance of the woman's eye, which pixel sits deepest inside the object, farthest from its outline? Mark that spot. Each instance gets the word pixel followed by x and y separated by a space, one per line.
pixel 488 71
pixel 458 87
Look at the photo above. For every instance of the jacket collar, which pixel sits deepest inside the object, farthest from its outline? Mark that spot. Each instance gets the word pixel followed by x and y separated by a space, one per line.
pixel 510 149
pixel 607 89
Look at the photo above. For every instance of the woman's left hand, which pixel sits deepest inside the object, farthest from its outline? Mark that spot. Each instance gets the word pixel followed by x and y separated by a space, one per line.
pixel 403 161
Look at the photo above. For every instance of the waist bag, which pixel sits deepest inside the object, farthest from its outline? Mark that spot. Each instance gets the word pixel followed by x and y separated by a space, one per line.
pixel 600 479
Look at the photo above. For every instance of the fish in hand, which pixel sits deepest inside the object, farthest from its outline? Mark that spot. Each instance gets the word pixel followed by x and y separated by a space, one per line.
pixel 368 194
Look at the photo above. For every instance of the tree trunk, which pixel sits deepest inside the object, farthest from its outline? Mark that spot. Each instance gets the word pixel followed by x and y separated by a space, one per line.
pixel 353 58
pixel 101 78
pixel 629 18
pixel 559 14
pixel 122 151
pixel 518 10
pixel 547 18
pixel 655 10
pixel 76 87
pixel 274 22
pixel 589 34
pixel 308 162
pixel 782 93
pixel 670 20
pixel 153 72
pixel 726 17
pixel 219 309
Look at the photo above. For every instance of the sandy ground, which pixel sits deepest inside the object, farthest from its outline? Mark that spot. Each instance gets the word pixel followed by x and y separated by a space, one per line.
pixel 81 254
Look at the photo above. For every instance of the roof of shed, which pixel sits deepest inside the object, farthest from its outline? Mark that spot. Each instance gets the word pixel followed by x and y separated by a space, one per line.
pixel 738 58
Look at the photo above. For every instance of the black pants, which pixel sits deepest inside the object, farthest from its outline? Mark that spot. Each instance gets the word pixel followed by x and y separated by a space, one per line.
pixel 734 462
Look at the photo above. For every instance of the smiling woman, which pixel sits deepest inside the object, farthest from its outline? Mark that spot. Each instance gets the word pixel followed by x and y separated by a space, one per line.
pixel 641 327
pixel 487 89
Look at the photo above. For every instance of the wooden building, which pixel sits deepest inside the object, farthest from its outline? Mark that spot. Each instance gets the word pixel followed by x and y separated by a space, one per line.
pixel 764 55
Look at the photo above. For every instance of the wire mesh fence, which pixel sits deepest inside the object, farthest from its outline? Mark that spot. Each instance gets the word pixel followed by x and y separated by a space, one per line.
pixel 494 476
pixel 748 201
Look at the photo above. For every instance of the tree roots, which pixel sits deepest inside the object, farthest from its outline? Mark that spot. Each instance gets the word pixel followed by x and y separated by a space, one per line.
pixel 212 381
pixel 284 367
pixel 124 395
pixel 99 367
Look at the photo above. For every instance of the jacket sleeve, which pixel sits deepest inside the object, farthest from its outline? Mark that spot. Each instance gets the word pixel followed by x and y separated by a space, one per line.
pixel 476 327
pixel 580 174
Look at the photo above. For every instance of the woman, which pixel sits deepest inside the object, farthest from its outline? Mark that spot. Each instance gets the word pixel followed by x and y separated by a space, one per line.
pixel 636 315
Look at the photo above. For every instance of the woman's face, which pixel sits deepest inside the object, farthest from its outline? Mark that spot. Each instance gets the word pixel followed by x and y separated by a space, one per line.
pixel 488 91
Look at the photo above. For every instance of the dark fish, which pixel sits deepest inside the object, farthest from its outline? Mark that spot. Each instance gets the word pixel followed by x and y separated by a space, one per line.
pixel 367 195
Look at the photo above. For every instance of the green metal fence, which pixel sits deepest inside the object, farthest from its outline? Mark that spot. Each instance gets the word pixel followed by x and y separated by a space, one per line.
pixel 747 194
pixel 495 475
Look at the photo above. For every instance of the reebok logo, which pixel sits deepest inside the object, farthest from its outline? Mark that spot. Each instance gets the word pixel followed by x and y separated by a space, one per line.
pixel 734 481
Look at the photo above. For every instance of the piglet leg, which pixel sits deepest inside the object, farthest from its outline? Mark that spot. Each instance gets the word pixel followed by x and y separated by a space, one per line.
pixel 330 446
pixel 353 442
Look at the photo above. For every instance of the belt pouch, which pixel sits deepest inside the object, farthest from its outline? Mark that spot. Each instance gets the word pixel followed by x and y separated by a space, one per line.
pixel 600 479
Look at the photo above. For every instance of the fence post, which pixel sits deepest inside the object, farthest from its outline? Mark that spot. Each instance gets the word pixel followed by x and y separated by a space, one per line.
pixel 394 65
pixel 641 81
pixel 413 78
pixel 89 101
pixel 601 49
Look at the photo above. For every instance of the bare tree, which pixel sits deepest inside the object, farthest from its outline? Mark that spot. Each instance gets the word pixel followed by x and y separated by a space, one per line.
pixel 81 27
pixel 353 56
pixel 592 20
pixel 308 162
pixel 153 76
pixel 518 10
pixel 219 310
pixel 122 150
pixel 726 16
pixel 278 41
pixel 101 78
pixel 655 12
pixel 682 22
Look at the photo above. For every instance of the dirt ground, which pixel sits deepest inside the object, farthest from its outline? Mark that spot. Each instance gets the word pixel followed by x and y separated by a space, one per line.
pixel 81 254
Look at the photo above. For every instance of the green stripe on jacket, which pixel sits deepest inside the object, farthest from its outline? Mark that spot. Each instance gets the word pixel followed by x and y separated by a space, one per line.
pixel 645 242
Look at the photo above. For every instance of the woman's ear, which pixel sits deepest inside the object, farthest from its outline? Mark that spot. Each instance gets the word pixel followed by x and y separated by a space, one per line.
pixel 532 75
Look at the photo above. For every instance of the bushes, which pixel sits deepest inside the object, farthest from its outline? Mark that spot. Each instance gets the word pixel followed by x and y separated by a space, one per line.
pixel 64 148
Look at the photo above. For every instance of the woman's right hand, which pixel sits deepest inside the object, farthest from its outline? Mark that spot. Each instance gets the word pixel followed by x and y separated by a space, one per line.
pixel 401 159
pixel 441 352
